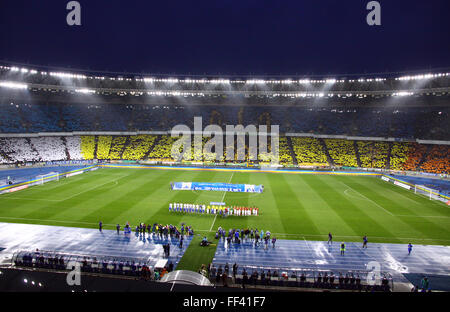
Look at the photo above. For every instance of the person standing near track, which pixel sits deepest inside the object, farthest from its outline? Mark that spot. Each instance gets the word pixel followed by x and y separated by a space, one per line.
pixel 410 246
pixel 364 242
pixel 330 238
pixel 100 226
pixel 342 249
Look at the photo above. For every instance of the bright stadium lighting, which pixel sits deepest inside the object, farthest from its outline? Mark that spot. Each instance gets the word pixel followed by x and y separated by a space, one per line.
pixel 220 81
pixel 403 93
pixel 13 85
pixel 85 91
pixel 67 75
pixel 255 81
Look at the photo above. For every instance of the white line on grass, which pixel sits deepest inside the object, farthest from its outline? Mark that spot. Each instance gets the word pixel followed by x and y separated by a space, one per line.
pixel 412 216
pixel 278 234
pixel 56 221
pixel 422 216
pixel 93 188
pixel 72 196
pixel 224 193
pixel 368 199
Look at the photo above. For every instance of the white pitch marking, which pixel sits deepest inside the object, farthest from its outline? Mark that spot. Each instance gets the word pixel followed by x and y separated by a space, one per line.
pixel 368 199
pixel 64 199
pixel 224 193
pixel 278 234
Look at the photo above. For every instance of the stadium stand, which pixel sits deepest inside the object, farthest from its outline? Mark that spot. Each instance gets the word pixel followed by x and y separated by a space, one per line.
pixel 138 147
pixel 342 152
pixel 437 160
pixel 162 149
pixel 411 122
pixel 73 145
pixel 284 152
pixel 103 146
pixel 309 152
pixel 117 147
pixel 416 154
pixel 87 147
pixel 49 148
pixel 373 154
pixel 18 150
pixel 399 153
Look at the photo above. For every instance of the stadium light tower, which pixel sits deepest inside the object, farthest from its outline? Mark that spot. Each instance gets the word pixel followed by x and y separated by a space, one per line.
pixel 13 85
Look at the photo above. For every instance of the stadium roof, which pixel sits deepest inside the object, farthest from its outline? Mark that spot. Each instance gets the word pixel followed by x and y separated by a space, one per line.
pixel 74 82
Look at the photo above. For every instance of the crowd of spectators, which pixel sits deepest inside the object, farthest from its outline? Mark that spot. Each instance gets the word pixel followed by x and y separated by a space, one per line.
pixel 225 275
pixel 73 145
pixel 87 147
pixel 411 122
pixel 162 150
pixel 49 148
pixel 117 145
pixel 399 155
pixel 91 264
pixel 103 146
pixel 437 159
pixel 342 152
pixel 138 147
pixel 373 154
pixel 416 152
pixel 284 152
pixel 309 152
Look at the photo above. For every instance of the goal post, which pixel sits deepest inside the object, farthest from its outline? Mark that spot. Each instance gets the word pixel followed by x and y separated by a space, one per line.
pixel 428 192
pixel 43 178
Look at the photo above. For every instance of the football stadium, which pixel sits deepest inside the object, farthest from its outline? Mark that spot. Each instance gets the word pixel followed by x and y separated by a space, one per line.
pixel 224 154
pixel 89 176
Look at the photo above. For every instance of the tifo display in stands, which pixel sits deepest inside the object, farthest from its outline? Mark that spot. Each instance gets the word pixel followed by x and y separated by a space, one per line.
pixel 301 151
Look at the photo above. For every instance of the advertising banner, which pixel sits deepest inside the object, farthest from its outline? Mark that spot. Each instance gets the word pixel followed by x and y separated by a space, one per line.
pixel 221 187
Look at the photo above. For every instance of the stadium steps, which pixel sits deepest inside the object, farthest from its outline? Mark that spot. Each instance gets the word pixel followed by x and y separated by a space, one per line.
pixel 4 155
pixel 32 146
pixel 158 138
pixel 325 150
pixel 127 143
pixel 388 160
pixel 66 150
pixel 291 150
pixel 424 157
pixel 95 146
pixel 358 159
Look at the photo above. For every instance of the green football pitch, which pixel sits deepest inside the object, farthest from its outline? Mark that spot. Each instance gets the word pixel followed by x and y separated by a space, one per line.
pixel 292 206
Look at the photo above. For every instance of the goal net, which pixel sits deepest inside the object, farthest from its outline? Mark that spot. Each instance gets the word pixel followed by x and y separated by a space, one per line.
pixel 43 178
pixel 428 192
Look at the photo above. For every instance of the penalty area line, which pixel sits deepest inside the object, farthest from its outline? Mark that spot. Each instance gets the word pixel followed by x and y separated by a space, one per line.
pixel 368 199
pixel 223 197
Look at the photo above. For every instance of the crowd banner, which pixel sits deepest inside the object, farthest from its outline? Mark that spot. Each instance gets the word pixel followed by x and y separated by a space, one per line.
pixel 221 187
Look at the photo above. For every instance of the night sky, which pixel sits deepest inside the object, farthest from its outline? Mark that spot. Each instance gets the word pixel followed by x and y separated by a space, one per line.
pixel 241 37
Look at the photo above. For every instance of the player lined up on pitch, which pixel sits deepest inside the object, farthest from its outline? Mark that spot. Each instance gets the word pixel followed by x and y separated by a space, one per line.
pixel 214 209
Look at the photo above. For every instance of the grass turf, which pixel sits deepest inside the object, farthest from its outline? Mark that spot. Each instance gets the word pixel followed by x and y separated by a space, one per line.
pixel 292 206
